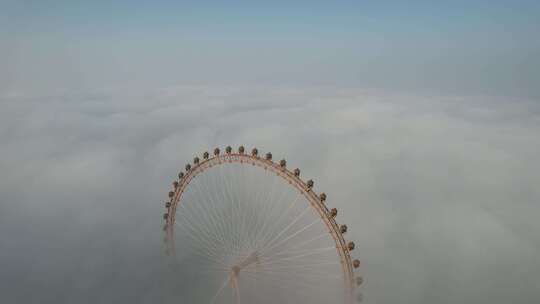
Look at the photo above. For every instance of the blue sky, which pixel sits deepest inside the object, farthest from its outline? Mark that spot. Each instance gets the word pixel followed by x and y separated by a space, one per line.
pixel 458 47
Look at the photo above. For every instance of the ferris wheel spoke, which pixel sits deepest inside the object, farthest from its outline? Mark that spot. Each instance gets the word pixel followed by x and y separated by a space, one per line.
pixel 205 250
pixel 218 209
pixel 293 266
pixel 229 207
pixel 220 220
pixel 224 201
pixel 268 235
pixel 257 209
pixel 225 218
pixel 283 241
pixel 238 210
pixel 298 217
pixel 301 244
pixel 218 228
pixel 270 224
pixel 214 298
pixel 192 227
pixel 210 212
pixel 265 207
pixel 303 263
pixel 287 253
pixel 290 273
pixel 314 252
pixel 201 237
pixel 240 207
pixel 247 214
pixel 200 215
pixel 208 257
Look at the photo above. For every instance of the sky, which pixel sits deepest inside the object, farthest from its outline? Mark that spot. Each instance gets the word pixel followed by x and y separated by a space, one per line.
pixel 456 47
pixel 420 120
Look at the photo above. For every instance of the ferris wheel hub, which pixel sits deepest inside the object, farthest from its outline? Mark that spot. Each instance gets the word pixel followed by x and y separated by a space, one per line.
pixel 251 259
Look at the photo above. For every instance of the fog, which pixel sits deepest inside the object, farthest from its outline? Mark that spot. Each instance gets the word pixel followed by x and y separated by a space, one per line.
pixel 440 192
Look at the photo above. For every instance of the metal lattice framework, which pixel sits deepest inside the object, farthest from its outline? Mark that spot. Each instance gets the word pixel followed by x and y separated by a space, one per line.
pixel 292 177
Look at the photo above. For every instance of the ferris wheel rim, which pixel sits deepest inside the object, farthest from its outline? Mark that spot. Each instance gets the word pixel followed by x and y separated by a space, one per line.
pixel 316 201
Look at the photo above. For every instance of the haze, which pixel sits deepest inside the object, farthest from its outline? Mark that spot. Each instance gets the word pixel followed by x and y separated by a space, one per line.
pixel 421 122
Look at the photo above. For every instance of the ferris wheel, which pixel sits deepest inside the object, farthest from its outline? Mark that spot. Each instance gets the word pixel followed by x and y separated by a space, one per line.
pixel 245 229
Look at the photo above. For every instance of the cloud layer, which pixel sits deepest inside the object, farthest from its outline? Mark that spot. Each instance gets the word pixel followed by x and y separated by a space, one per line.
pixel 440 192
